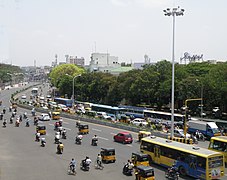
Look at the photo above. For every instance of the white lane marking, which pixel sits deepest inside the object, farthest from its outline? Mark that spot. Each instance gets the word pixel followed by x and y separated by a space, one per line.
pixel 62 126
pixel 103 138
pixel 96 130
pixel 129 145
pixel 113 133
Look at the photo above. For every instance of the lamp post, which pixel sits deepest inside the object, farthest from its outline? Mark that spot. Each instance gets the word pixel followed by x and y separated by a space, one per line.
pixel 73 99
pixel 201 94
pixel 174 12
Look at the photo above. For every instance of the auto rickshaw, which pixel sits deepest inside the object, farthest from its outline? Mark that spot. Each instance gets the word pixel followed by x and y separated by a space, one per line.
pixel 14 105
pixel 108 155
pixel 55 115
pixel 41 129
pixel 83 129
pixel 143 134
pixel 140 159
pixel 125 119
pixel 144 172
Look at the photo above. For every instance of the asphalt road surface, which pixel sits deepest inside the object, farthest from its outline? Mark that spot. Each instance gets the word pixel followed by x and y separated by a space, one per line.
pixel 23 158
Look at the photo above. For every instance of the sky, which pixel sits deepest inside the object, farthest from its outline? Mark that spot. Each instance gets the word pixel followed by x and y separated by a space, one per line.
pixel 37 30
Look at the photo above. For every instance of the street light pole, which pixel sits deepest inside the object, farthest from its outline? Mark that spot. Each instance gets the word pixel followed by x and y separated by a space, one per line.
pixel 73 99
pixel 174 12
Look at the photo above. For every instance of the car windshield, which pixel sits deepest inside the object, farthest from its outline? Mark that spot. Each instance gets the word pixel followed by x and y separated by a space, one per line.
pixel 128 135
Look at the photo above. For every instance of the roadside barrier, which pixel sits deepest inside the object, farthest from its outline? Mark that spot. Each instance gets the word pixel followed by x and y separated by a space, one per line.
pixel 182 140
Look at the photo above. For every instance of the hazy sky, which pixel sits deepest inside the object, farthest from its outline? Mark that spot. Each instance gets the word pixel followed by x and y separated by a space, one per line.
pixel 38 29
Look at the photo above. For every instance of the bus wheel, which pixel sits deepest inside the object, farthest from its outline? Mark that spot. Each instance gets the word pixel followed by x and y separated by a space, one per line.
pixel 182 171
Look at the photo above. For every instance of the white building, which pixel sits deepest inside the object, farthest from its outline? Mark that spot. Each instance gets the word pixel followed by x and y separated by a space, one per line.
pixel 103 62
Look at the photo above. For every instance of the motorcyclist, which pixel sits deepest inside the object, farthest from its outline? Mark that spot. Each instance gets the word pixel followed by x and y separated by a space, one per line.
pixel 17 123
pixel 79 138
pixel 172 171
pixel 94 140
pixel 128 168
pixel 60 148
pixel 10 108
pixel 1 116
pixel 11 120
pixel 27 122
pixel 57 137
pixel 99 160
pixel 36 121
pixel 4 110
pixel 20 118
pixel 4 122
pixel 64 134
pixel 56 125
pixel 33 111
pixel 60 122
pixel 72 165
pixel 78 123
pixel 37 136
pixel 43 141
pixel 25 115
pixel 86 163
pixel 60 129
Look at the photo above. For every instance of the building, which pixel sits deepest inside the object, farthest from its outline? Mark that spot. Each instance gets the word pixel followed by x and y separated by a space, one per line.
pixel 103 62
pixel 79 61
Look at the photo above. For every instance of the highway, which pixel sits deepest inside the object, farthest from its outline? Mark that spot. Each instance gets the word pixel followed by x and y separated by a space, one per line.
pixel 23 158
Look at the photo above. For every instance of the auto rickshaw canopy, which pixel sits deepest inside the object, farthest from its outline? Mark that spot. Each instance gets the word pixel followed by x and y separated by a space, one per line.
pixel 143 134
pixel 41 127
pixel 108 151
pixel 140 159
pixel 145 172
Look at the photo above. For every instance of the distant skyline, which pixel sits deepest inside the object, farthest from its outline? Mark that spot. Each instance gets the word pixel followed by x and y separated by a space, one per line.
pixel 38 29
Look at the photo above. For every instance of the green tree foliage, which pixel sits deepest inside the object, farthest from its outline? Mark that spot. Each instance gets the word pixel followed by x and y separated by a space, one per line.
pixel 151 86
pixel 59 72
pixel 6 72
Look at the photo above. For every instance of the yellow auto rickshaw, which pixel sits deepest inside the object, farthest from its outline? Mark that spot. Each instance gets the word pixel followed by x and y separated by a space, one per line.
pixel 56 115
pixel 108 155
pixel 144 172
pixel 41 129
pixel 83 129
pixel 143 134
pixel 139 159
pixel 124 119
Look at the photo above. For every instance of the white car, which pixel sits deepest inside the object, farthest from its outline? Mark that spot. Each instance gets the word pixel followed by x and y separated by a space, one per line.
pixel 180 133
pixel 23 96
pixel 44 117
pixel 138 121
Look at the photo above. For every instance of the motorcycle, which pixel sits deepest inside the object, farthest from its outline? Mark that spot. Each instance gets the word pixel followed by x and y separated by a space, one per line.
pixel 59 149
pixel 172 173
pixel 71 170
pixel 77 124
pixel 63 135
pixel 11 121
pixel 94 142
pixel 57 140
pixel 84 166
pixel 126 171
pixel 99 165
pixel 25 116
pixel 37 138
pixel 78 141
pixel 43 143
pixel 17 124
pixel 4 124
pixel 27 124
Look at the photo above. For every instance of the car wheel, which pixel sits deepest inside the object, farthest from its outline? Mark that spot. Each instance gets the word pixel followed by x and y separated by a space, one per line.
pixel 182 171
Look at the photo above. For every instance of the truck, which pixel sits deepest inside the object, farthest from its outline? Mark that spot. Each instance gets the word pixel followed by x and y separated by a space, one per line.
pixel 209 129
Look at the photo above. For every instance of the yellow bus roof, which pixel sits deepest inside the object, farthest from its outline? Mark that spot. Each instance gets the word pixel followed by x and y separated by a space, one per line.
pixel 196 150
pixel 220 138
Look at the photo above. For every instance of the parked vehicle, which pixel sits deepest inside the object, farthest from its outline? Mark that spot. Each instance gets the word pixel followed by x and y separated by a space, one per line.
pixel 208 129
pixel 139 122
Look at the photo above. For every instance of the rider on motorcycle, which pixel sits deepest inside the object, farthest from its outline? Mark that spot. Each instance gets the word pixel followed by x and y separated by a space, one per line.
pixel 78 123
pixel 4 122
pixel 99 160
pixel 60 129
pixel 79 138
pixel 64 134
pixel 37 136
pixel 86 163
pixel 72 165
pixel 43 141
pixel 60 122
pixel 57 137
pixel 60 148
pixel 94 140
pixel 128 167
pixel 27 122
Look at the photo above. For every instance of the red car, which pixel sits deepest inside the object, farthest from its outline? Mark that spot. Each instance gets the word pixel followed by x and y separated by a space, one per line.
pixel 123 137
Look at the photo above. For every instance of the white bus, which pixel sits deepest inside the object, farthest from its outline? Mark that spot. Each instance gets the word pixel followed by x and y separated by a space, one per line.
pixel 34 91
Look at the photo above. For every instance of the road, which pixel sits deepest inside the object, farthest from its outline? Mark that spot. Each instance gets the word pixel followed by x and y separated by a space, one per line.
pixel 23 158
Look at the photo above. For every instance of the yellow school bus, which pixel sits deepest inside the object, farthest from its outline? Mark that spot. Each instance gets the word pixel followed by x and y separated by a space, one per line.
pixel 190 160
pixel 219 144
